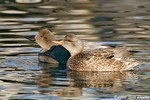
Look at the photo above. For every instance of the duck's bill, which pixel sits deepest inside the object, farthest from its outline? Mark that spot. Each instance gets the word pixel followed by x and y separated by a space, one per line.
pixel 30 37
pixel 58 42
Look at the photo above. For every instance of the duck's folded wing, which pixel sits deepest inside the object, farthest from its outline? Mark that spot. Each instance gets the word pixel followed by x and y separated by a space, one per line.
pixel 101 53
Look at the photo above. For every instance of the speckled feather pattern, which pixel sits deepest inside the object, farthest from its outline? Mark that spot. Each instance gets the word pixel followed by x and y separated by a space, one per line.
pixel 99 60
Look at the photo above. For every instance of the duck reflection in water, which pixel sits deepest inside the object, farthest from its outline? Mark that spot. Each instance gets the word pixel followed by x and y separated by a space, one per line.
pixel 110 81
pixel 49 78
pixel 106 82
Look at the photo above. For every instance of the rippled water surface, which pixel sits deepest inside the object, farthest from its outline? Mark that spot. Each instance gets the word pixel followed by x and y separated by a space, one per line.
pixel 124 23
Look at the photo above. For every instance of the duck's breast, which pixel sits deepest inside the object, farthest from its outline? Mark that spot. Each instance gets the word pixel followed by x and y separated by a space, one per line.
pixel 56 54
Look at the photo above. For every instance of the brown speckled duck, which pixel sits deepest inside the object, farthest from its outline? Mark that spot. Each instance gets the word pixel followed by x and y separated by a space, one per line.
pixel 97 59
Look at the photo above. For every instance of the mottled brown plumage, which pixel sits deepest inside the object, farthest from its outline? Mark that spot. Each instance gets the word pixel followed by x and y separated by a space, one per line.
pixel 99 59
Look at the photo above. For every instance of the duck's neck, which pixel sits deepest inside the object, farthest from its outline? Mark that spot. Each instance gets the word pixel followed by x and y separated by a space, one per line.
pixel 73 47
pixel 74 51
pixel 45 46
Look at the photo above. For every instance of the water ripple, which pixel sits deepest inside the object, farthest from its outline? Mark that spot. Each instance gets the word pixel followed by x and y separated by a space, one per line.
pixel 122 23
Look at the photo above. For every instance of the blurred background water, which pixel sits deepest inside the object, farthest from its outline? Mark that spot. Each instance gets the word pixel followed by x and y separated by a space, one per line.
pixel 124 23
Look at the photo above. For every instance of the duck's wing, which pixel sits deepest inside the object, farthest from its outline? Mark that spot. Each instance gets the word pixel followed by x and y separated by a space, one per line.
pixel 94 54
pixel 100 53
pixel 94 60
pixel 122 53
pixel 100 60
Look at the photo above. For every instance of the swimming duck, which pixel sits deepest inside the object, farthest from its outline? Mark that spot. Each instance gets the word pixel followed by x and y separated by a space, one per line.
pixel 98 59
pixel 51 52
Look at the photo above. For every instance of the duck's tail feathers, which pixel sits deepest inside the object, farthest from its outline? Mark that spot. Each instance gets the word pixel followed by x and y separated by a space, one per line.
pixel 130 65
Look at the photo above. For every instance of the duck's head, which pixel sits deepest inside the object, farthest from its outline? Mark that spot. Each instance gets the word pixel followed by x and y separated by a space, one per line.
pixel 72 43
pixel 45 39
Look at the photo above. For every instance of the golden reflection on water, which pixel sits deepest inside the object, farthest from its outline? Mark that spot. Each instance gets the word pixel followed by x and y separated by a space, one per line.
pixel 80 84
pixel 123 23
pixel 28 1
pixel 13 12
pixel 108 82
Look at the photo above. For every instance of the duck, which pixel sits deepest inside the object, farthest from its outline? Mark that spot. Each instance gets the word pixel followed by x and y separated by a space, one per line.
pixel 51 52
pixel 97 59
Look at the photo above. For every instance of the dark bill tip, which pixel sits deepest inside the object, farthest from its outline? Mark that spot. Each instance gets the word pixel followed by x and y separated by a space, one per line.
pixel 30 37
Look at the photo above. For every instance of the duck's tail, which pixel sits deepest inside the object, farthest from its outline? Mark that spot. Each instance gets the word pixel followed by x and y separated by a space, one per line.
pixel 130 65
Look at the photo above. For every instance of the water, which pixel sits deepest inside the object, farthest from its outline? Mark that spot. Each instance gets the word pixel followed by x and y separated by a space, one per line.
pixel 123 23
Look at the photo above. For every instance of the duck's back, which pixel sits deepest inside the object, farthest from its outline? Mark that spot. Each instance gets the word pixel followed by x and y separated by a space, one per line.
pixel 97 60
